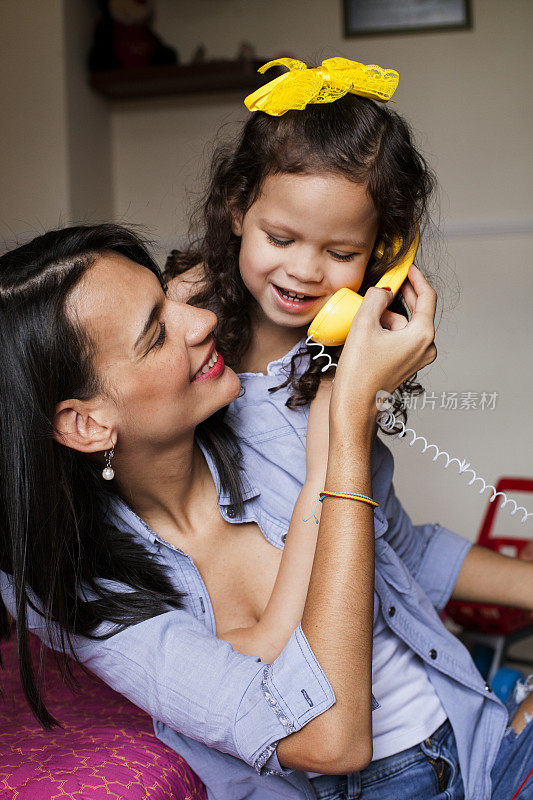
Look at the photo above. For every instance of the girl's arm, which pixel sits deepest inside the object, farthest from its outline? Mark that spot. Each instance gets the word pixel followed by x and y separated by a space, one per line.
pixel 283 613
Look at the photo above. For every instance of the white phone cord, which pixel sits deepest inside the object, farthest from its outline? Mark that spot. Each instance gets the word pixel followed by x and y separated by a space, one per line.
pixel 388 421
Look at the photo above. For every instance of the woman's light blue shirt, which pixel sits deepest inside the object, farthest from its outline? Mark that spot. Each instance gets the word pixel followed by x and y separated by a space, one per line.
pixel 224 712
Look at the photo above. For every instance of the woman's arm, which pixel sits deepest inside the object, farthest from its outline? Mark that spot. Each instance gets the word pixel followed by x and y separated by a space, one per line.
pixel 489 577
pixel 338 613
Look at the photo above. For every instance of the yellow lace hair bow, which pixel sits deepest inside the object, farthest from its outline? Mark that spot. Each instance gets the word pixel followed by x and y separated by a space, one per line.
pixel 333 79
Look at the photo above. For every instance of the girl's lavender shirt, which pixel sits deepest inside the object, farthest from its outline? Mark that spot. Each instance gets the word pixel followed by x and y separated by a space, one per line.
pixel 224 712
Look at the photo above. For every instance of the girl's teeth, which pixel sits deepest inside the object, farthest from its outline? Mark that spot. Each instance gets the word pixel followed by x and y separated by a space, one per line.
pixel 292 295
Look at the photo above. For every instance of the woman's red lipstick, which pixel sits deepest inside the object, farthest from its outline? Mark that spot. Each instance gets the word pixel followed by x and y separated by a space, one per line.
pixel 214 371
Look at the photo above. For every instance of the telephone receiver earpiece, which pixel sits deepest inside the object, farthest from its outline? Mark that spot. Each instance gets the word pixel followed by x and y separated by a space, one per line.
pixel 331 325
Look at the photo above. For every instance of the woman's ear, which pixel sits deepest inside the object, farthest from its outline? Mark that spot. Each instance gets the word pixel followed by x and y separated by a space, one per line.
pixel 79 424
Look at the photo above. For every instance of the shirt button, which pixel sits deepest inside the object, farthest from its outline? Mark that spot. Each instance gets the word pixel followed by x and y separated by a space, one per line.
pixel 392 611
pixel 433 653
pixel 231 512
pixel 284 538
pixel 487 687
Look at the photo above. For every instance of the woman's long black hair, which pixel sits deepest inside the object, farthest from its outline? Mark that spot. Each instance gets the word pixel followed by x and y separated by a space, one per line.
pixel 54 542
pixel 354 137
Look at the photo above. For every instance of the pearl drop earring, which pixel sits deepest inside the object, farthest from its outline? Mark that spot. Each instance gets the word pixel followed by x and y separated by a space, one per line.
pixel 108 473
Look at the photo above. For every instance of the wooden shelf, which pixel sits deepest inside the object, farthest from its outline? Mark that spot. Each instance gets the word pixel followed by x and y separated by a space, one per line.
pixel 208 76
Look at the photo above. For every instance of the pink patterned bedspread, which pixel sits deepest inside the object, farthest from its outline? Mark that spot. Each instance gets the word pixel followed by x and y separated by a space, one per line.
pixel 106 749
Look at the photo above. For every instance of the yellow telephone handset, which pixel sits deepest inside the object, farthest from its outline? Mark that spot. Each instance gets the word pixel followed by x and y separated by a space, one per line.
pixel 331 325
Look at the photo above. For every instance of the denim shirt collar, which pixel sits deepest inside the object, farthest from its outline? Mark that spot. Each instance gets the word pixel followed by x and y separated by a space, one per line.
pixel 119 513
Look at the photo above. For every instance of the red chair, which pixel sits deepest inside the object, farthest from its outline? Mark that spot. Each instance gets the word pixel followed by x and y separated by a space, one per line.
pixel 482 623
pixel 106 747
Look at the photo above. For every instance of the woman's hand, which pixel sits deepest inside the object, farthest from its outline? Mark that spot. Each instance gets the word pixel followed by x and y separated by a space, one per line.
pixel 375 357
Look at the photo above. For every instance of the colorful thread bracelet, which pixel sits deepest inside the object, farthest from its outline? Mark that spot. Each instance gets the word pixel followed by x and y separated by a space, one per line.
pixel 344 496
pixel 348 496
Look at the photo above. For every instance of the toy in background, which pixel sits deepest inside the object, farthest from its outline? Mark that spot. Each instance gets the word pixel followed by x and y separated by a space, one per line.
pixel 123 38
pixel 246 52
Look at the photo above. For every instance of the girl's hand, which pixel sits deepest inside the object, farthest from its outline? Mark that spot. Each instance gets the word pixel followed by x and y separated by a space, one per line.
pixel 376 357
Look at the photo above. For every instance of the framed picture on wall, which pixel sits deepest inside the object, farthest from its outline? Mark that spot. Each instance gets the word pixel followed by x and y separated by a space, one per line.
pixel 375 17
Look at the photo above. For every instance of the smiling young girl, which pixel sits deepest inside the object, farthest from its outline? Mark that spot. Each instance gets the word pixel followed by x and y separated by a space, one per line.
pixel 311 198
pixel 303 204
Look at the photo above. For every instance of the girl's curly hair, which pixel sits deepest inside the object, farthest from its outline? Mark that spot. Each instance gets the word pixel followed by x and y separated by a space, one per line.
pixel 354 137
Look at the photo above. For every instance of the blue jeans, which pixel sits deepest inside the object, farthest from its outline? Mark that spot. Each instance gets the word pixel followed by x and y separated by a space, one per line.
pixel 430 770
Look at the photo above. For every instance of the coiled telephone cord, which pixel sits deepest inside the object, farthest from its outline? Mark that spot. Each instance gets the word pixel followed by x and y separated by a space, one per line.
pixel 389 421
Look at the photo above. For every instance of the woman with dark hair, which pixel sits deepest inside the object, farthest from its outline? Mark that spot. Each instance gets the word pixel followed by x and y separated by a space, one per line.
pixel 119 497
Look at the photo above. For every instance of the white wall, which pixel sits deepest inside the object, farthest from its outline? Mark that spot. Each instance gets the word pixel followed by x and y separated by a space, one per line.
pixel 89 130
pixel 467 95
pixel 33 136
pixel 55 143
